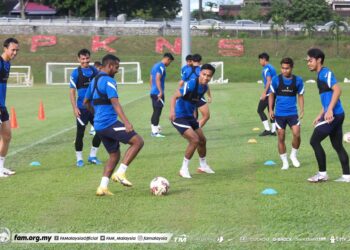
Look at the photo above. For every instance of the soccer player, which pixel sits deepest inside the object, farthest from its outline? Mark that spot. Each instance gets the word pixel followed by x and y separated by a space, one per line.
pixel 102 92
pixel 10 50
pixel 268 72
pixel 182 105
pixel 189 64
pixel 192 73
pixel 98 65
pixel 79 82
pixel 284 89
pixel 157 82
pixel 330 120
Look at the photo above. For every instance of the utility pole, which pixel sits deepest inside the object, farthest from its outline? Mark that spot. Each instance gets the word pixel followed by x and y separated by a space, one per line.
pixel 185 31
pixel 97 14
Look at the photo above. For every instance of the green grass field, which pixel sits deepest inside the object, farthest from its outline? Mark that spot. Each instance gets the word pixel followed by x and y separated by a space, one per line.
pixel 58 197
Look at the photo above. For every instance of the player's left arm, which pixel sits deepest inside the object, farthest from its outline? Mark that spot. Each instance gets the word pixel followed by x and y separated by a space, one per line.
pixel 332 83
pixel 173 99
pixel 87 100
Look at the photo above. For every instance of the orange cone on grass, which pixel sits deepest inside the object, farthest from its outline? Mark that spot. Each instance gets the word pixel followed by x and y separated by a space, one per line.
pixel 41 114
pixel 13 118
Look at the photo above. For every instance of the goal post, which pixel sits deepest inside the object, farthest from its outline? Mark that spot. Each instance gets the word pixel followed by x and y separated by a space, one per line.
pixel 20 76
pixel 218 77
pixel 59 73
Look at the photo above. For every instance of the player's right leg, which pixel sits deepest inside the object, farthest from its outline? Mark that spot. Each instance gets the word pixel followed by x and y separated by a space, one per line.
pixel 5 139
pixel 202 152
pixel 204 109
pixel 281 123
pixel 263 104
pixel 79 142
pixel 296 140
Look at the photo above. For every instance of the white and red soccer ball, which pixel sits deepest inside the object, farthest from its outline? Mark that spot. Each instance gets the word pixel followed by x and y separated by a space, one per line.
pixel 159 186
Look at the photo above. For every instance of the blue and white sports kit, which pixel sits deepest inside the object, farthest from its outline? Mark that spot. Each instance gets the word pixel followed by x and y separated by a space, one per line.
pixel 108 128
pixel 5 67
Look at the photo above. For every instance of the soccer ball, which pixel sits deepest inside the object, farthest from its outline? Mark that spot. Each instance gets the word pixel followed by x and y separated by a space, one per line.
pixel 159 186
pixel 346 137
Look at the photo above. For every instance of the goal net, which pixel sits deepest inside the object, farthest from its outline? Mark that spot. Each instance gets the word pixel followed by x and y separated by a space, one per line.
pixel 59 73
pixel 20 76
pixel 219 73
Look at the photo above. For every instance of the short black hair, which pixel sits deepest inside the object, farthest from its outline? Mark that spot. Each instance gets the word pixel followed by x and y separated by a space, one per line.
pixel 189 58
pixel 168 55
pixel 264 55
pixel 83 52
pixel 109 58
pixel 10 40
pixel 196 58
pixel 97 64
pixel 209 67
pixel 316 53
pixel 288 60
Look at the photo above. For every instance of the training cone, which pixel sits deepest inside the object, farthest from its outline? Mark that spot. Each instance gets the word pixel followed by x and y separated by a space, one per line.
pixel 13 118
pixel 256 129
pixel 269 163
pixel 269 191
pixel 41 114
pixel 252 141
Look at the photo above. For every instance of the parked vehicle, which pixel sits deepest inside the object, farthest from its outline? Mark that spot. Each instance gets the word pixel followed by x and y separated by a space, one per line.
pixel 328 26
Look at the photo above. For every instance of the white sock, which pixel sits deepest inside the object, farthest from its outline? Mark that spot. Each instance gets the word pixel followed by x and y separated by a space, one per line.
pixel 323 173
pixel 154 129
pixel 92 129
pixel 273 127
pixel 202 162
pixel 104 182
pixel 294 152
pixel 185 164
pixel 346 176
pixel 122 169
pixel 79 155
pixel 2 163
pixel 266 125
pixel 93 152
pixel 284 158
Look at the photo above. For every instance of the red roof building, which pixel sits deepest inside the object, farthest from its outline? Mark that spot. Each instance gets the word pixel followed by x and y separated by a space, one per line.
pixel 33 9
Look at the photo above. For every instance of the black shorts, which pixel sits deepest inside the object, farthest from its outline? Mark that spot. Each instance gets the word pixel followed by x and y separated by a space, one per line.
pixel 85 117
pixel 201 102
pixel 184 123
pixel 327 128
pixel 291 120
pixel 156 103
pixel 114 134
pixel 4 116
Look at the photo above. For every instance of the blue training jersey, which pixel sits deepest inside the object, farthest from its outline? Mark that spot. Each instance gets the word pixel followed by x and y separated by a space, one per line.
pixel 191 73
pixel 185 108
pixel 326 79
pixel 158 68
pixel 105 115
pixel 286 105
pixel 5 67
pixel 81 87
pixel 268 71
pixel 183 69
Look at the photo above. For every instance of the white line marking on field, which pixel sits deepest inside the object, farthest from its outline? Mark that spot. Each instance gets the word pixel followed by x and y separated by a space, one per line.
pixel 58 133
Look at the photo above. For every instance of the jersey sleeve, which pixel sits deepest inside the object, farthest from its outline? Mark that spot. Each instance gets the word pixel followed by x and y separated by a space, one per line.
pixel 331 80
pixel 160 70
pixel 188 86
pixel 73 79
pixel 111 88
pixel 267 73
pixel 274 84
pixel 300 86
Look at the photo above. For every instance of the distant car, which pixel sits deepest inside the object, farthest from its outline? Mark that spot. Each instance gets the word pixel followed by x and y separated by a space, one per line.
pixel 137 20
pixel 207 24
pixel 245 22
pixel 327 26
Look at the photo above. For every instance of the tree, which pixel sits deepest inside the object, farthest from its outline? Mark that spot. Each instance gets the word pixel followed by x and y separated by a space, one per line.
pixel 302 11
pixel 279 9
pixel 309 28
pixel 200 8
pixel 278 24
pixel 251 11
pixel 22 8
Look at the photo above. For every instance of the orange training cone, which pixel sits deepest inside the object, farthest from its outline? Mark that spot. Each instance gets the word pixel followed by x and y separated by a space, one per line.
pixel 13 118
pixel 41 114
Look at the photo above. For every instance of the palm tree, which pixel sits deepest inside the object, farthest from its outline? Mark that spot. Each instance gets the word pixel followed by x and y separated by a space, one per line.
pixel 309 29
pixel 336 28
pixel 278 24
pixel 200 9
pixel 22 8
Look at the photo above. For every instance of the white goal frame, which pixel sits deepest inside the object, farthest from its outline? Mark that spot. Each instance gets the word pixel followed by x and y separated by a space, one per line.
pixel 221 79
pixel 70 66
pixel 23 78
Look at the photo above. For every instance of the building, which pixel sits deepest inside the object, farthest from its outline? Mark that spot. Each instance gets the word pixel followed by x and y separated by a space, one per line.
pixel 342 7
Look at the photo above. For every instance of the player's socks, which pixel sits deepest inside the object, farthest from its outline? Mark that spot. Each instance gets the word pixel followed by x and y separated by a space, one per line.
pixel 2 163
pixel 273 127
pixel 122 169
pixel 154 129
pixel 293 157
pixel 104 182
pixel 285 163
pixel 79 155
pixel 184 169
pixel 266 125
pixel 93 152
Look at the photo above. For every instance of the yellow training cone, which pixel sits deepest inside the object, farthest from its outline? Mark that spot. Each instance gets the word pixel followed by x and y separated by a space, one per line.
pixel 252 141
pixel 256 129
